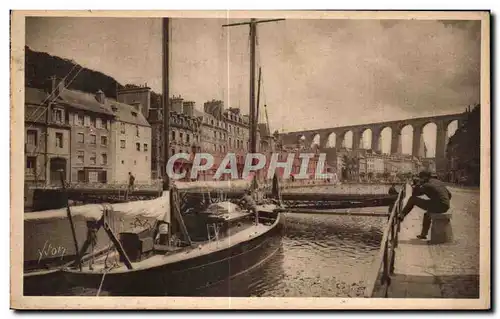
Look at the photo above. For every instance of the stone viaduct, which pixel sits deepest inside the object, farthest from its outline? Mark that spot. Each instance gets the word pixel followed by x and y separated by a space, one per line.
pixel 441 121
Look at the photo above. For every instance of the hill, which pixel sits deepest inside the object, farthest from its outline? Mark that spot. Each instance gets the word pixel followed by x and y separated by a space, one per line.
pixel 40 66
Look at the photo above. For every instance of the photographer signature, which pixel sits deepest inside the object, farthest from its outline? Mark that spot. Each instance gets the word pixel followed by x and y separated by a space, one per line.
pixel 51 251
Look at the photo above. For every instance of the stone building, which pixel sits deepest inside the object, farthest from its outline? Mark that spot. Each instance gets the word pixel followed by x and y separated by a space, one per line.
pixel 91 138
pixel 185 132
pixel 132 134
pixel 47 139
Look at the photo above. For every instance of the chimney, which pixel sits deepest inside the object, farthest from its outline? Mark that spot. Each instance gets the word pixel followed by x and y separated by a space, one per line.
pixel 100 97
pixel 54 86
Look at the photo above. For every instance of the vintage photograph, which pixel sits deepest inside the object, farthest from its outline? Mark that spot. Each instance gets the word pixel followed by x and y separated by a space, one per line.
pixel 239 154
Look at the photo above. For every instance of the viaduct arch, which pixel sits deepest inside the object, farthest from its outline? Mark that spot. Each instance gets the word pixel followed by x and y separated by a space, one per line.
pixel 441 121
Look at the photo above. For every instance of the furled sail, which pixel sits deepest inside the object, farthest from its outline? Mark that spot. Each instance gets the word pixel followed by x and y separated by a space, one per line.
pixel 158 208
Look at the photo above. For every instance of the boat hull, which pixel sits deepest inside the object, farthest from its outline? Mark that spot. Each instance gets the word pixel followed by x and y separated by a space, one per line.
pixel 186 277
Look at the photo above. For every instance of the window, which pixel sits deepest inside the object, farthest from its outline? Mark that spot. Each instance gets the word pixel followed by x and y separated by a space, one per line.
pixel 93 159
pixel 93 139
pixel 105 124
pixel 59 140
pixel 32 137
pixel 122 128
pixel 215 134
pixel 80 157
pixel 173 135
pixel 86 121
pixel 172 151
pixel 57 115
pixel 80 138
pixel 137 131
pixel 93 176
pixel 138 146
pixel 230 142
pixel 93 122
pixel 103 177
pixel 122 143
pixel 104 140
pixel 145 147
pixel 79 120
pixel 104 159
pixel 220 148
pixel 181 136
pixel 31 165
pixel 215 148
pixel 81 176
pixel 98 123
pixel 187 138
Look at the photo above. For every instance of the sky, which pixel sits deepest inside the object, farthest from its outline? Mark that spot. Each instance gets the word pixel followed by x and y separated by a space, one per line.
pixel 315 73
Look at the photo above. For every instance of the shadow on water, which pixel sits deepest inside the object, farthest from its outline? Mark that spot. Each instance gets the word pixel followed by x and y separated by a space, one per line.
pixel 322 256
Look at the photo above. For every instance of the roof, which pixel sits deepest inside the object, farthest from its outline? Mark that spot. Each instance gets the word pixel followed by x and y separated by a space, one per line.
pixel 34 96
pixel 83 101
pixel 88 102
pixel 124 113
pixel 198 113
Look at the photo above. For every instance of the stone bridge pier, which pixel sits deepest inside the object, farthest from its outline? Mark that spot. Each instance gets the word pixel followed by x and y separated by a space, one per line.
pixel 396 127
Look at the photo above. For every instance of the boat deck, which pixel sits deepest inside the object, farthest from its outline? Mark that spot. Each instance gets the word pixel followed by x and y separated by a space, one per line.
pixel 191 252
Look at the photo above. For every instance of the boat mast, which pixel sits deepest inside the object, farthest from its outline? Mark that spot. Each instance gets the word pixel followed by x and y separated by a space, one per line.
pixel 253 125
pixel 165 136
pixel 257 112
pixel 253 116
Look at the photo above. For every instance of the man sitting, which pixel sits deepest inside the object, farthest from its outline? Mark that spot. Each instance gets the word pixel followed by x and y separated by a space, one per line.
pixel 438 202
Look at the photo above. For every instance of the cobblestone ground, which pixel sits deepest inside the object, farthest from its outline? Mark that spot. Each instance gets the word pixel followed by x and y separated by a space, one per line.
pixel 448 270
pixel 458 262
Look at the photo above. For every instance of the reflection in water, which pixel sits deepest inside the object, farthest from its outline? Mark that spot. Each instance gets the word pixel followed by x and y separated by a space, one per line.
pixel 321 256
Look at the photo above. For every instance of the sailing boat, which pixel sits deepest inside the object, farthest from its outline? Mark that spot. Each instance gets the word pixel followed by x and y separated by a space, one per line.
pixel 174 253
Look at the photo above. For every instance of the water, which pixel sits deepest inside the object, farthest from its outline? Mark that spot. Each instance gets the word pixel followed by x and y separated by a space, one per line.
pixel 319 256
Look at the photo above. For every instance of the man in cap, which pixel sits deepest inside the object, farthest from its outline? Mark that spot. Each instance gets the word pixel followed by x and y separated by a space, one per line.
pixel 248 202
pixel 438 202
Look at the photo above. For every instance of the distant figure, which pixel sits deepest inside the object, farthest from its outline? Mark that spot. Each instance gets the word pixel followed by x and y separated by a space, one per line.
pixel 392 191
pixel 438 202
pixel 247 202
pixel 131 181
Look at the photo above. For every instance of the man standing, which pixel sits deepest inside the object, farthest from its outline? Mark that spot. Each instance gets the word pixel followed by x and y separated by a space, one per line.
pixel 438 202
pixel 392 191
pixel 131 180
pixel 247 202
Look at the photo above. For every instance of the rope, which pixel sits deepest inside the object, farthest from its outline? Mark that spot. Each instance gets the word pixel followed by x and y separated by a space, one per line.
pixel 102 282
pixel 66 86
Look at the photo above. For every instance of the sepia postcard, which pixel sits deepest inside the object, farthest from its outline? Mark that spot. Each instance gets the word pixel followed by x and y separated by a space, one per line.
pixel 250 160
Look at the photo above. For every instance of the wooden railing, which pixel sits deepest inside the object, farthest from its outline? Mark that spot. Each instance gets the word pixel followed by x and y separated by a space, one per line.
pixel 383 265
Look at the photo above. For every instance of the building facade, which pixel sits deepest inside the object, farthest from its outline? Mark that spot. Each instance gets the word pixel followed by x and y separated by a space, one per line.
pixel 83 135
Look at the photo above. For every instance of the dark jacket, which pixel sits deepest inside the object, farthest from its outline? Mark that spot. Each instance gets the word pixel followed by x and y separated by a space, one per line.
pixel 435 190
pixel 247 202
pixel 393 191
